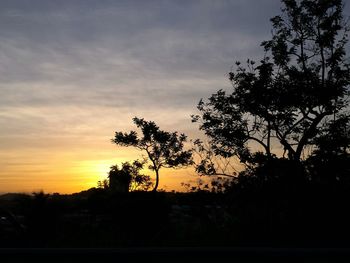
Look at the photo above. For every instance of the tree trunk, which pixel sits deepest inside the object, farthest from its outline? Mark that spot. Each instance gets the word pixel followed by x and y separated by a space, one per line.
pixel 157 181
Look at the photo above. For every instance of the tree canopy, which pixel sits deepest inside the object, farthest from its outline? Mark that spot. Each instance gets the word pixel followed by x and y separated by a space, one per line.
pixel 164 149
pixel 280 105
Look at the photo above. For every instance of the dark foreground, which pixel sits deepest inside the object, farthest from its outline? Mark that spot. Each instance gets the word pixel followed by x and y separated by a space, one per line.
pixel 310 223
pixel 185 254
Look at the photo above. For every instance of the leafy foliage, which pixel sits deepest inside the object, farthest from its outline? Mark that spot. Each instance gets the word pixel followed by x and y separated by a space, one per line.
pixel 284 100
pixel 164 149
pixel 330 161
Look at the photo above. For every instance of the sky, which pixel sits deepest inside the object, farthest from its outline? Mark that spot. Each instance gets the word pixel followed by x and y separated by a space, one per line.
pixel 72 72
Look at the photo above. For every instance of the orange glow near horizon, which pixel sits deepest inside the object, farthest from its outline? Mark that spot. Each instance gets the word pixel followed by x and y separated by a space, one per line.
pixel 67 172
pixel 69 157
pixel 57 151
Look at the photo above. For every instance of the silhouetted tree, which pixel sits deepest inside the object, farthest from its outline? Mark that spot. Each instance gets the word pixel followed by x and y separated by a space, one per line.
pixel 282 101
pixel 128 177
pixel 330 161
pixel 119 179
pixel 103 184
pixel 164 149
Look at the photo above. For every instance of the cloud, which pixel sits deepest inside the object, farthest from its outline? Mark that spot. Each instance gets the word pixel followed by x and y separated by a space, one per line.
pixel 73 72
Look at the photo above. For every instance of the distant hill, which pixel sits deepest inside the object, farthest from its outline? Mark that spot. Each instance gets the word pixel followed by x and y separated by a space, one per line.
pixel 12 196
pixel 82 194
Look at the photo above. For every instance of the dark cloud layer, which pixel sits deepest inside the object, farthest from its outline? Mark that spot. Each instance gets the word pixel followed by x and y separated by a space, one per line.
pixel 99 49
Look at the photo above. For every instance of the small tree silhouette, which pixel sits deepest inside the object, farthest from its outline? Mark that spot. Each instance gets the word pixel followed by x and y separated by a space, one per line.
pixel 128 178
pixel 164 149
pixel 119 179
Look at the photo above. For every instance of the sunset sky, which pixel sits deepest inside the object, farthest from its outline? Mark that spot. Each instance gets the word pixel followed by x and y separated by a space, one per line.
pixel 74 72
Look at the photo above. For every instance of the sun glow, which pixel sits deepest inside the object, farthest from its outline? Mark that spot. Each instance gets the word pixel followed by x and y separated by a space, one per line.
pixel 94 170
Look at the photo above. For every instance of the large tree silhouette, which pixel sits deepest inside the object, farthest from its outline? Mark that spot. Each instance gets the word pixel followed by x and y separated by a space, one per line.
pixel 164 149
pixel 281 102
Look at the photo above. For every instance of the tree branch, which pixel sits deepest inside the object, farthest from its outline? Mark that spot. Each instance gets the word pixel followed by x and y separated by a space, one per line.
pixel 260 142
